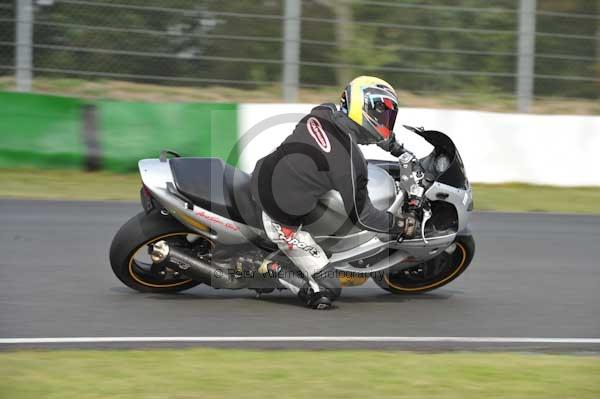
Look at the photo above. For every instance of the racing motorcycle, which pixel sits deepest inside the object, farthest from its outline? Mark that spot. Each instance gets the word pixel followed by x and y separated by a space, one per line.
pixel 200 225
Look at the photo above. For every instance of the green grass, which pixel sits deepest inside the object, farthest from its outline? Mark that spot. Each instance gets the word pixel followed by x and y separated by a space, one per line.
pixel 516 197
pixel 69 185
pixel 77 185
pixel 218 373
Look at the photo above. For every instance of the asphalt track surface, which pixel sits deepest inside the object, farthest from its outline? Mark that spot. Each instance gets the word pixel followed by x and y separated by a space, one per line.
pixel 534 275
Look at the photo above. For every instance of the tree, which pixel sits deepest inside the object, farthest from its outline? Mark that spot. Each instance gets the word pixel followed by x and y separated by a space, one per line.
pixel 449 46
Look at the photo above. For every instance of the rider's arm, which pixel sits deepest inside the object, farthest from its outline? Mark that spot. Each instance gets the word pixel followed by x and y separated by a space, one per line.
pixel 392 146
pixel 368 217
pixel 351 183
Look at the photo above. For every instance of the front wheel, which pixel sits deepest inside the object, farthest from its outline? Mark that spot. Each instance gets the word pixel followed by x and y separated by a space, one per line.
pixel 432 274
pixel 129 256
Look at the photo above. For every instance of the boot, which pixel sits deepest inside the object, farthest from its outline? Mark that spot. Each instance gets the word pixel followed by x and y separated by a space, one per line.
pixel 329 290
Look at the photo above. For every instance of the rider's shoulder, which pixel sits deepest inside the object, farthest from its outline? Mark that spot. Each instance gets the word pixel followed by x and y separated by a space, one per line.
pixel 324 110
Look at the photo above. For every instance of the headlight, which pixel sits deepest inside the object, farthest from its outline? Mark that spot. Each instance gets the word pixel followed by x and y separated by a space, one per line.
pixel 442 163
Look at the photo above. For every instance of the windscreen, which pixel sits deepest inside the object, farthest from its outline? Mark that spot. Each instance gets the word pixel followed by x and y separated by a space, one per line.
pixel 455 174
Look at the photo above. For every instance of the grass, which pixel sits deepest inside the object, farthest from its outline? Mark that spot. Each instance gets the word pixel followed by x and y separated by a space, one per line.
pixel 69 185
pixel 517 197
pixel 129 91
pixel 219 373
pixel 77 185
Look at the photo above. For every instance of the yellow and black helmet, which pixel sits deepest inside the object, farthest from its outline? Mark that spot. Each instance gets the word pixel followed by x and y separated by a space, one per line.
pixel 371 103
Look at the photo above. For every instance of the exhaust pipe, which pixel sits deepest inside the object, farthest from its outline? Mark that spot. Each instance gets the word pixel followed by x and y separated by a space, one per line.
pixel 195 268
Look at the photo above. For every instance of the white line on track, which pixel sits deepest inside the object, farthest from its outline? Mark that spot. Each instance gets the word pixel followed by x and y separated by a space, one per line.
pixel 460 340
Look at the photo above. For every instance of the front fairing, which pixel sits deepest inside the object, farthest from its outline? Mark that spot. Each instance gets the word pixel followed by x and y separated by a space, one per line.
pixel 449 186
pixel 454 175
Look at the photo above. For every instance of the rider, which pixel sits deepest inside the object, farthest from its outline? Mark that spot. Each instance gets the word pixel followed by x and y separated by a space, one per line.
pixel 322 154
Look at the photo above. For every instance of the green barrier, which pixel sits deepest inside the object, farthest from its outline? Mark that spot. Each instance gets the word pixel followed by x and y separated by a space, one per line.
pixel 48 131
pixel 40 131
pixel 132 131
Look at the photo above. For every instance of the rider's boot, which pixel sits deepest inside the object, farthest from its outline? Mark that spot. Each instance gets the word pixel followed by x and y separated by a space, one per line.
pixel 321 289
pixel 317 292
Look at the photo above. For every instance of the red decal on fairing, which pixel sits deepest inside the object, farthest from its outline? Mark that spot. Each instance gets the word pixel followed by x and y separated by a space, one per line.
pixel 215 219
pixel 316 131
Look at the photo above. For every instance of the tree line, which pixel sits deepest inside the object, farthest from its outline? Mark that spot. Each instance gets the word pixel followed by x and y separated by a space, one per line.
pixel 449 46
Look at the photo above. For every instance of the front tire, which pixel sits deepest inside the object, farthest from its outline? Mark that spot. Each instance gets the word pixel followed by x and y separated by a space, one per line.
pixel 432 274
pixel 131 240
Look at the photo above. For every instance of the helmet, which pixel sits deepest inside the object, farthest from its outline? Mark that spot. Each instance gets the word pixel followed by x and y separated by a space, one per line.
pixel 371 103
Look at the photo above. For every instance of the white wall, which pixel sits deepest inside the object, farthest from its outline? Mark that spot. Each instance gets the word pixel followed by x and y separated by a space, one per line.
pixel 542 149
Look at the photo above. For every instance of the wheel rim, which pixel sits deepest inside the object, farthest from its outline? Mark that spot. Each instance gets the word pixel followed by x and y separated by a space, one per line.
pixel 430 274
pixel 140 262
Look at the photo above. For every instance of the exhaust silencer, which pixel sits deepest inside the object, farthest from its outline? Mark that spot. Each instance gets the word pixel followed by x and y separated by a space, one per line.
pixel 195 268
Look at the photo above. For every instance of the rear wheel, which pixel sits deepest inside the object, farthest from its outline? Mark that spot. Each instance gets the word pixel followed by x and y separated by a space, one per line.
pixel 432 274
pixel 131 262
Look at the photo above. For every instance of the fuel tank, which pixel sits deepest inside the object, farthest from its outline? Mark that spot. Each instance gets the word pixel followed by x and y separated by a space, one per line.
pixel 329 219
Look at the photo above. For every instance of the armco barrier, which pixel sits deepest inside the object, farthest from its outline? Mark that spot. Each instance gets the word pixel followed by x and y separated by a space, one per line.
pixel 539 149
pixel 40 131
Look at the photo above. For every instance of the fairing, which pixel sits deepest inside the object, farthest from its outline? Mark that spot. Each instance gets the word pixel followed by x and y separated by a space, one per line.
pixel 455 175
pixel 329 222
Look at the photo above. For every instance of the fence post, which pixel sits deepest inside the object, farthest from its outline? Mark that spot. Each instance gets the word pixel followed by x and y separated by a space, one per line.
pixel 343 38
pixel 598 42
pixel 526 55
pixel 91 139
pixel 24 40
pixel 291 50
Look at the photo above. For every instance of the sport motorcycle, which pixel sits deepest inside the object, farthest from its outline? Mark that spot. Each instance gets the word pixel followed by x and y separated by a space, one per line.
pixel 200 225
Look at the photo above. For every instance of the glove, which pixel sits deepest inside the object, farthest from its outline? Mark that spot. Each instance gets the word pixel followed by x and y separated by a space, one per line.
pixel 408 225
pixel 392 146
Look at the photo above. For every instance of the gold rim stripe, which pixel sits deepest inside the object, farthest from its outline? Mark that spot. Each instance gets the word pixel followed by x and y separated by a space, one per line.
pixel 462 263
pixel 136 278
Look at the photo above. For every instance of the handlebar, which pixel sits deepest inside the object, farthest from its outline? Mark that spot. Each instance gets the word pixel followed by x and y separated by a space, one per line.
pixel 396 207
pixel 411 188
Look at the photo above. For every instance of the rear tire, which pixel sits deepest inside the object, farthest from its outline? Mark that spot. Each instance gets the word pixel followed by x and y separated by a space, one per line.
pixel 140 231
pixel 447 267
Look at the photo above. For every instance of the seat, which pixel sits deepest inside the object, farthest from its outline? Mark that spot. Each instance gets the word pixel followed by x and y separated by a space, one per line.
pixel 216 186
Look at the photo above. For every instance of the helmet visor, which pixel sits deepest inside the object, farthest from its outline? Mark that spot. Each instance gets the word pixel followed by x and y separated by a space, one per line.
pixel 383 110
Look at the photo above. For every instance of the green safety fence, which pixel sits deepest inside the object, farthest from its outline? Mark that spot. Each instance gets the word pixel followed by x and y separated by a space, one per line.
pixel 50 131
pixel 132 131
pixel 40 131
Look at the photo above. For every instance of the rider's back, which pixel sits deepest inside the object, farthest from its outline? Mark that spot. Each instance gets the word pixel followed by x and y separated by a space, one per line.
pixel 313 160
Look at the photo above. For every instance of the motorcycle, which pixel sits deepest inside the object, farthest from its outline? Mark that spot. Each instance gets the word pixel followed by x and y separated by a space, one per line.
pixel 200 225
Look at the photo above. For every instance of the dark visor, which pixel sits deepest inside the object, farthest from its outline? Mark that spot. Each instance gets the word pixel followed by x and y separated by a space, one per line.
pixel 384 111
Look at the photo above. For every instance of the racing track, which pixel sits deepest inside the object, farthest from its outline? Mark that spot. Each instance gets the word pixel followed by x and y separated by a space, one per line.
pixel 534 275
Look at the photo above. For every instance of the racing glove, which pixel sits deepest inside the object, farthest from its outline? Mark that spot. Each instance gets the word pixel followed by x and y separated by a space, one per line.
pixel 392 146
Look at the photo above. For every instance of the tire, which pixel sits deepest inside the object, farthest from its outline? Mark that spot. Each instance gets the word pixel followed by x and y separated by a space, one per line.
pixel 139 231
pixel 404 283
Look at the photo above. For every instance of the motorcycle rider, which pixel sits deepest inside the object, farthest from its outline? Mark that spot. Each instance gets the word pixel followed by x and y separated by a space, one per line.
pixel 322 154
